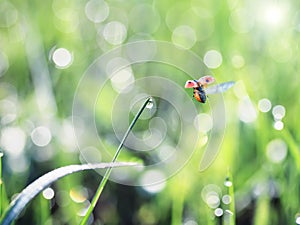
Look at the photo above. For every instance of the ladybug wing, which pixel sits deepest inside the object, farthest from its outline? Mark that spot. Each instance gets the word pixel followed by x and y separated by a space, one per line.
pixel 219 88
pixel 205 80
pixel 191 84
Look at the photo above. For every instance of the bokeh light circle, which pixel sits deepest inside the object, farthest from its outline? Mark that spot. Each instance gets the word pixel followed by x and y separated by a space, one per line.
pixel 8 14
pixel 166 153
pixel 241 21
pixel 276 150
pixel 114 32
pixel 278 112
pixel 96 10
pixel 278 125
pixel 62 58
pixel 264 105
pixel 8 138
pixel 41 136
pixel 203 122
pixel 184 36
pixel 212 59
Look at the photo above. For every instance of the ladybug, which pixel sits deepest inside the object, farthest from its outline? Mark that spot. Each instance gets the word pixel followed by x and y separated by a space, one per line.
pixel 199 94
pixel 201 90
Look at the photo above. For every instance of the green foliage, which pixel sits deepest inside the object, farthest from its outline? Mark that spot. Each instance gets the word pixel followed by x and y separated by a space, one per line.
pixel 259 45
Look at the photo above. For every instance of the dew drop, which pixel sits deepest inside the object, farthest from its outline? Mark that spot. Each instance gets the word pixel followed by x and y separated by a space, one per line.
pixel 218 212
pixel 48 193
pixel 227 182
pixel 150 104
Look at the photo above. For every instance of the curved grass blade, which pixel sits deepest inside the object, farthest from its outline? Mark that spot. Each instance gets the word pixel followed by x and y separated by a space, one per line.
pixel 18 204
pixel 108 171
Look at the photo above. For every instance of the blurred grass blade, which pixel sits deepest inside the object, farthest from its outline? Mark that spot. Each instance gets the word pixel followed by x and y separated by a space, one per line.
pixel 262 211
pixel 18 204
pixel 293 146
pixel 108 171
pixel 1 184
pixel 39 71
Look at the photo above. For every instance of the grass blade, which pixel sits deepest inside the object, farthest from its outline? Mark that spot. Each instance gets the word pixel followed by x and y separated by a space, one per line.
pixel 108 171
pixel 28 193
pixel 293 147
pixel 230 214
pixel 1 184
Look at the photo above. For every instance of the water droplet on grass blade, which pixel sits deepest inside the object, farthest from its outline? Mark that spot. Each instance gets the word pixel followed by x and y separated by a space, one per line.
pixel 227 182
pixel 227 211
pixel 228 216
pixel 48 193
pixel 150 104
pixel 226 199
pixel 218 212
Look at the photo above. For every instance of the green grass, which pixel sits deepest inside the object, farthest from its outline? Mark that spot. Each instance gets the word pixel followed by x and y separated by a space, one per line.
pixel 230 215
pixel 108 171
pixel 259 52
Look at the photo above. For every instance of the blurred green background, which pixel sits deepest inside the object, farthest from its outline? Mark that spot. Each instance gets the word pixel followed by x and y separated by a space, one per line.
pixel 45 48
